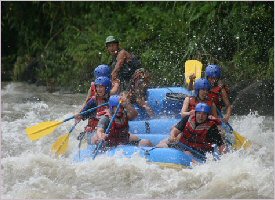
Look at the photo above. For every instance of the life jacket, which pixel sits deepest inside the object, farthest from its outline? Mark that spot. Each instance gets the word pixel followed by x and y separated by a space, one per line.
pixel 119 133
pixel 196 136
pixel 193 101
pixel 127 70
pixel 215 94
pixel 93 120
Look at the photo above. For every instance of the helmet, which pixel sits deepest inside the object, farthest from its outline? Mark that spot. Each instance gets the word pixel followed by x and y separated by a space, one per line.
pixel 200 84
pixel 114 101
pixel 213 71
pixel 111 39
pixel 105 81
pixel 203 107
pixel 102 70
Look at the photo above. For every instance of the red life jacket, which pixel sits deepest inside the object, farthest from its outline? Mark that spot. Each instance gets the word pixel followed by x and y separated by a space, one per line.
pixel 193 101
pixel 196 136
pixel 215 94
pixel 93 121
pixel 119 133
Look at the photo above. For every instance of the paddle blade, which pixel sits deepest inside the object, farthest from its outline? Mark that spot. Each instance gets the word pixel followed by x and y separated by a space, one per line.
pixel 42 129
pixel 192 67
pixel 241 141
pixel 61 145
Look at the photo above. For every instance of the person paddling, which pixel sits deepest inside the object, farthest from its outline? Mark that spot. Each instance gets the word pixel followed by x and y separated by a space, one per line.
pixel 103 87
pixel 202 87
pixel 119 132
pixel 101 70
pixel 198 131
pixel 218 92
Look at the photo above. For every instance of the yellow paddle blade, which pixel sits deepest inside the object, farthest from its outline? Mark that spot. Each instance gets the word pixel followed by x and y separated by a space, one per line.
pixel 61 144
pixel 192 67
pixel 42 129
pixel 241 141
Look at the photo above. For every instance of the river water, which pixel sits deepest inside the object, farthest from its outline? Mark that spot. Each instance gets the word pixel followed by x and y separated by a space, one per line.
pixel 31 171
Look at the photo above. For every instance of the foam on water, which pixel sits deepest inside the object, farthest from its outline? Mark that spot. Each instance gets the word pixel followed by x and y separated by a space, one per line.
pixel 31 171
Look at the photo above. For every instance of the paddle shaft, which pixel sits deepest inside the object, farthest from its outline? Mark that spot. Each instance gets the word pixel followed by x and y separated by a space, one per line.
pixel 221 115
pixel 191 150
pixel 107 130
pixel 87 111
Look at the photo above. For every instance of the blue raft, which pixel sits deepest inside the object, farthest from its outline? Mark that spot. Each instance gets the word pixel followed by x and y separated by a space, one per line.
pixel 165 157
pixel 167 103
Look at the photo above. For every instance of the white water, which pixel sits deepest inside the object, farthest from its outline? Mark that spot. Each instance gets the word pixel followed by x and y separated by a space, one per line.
pixel 30 171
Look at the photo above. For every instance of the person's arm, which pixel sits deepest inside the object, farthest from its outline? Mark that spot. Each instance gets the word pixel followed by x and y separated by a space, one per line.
pixel 227 105
pixel 101 127
pixel 115 87
pixel 174 135
pixel 182 123
pixel 191 83
pixel 215 137
pixel 121 59
pixel 177 129
pixel 185 107
pixel 90 104
pixel 214 110
pixel 131 111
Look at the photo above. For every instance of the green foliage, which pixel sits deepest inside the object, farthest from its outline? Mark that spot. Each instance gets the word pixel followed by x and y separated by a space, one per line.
pixel 62 42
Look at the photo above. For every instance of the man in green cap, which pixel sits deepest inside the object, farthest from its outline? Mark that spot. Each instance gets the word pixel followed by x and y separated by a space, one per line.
pixel 122 66
pixel 127 71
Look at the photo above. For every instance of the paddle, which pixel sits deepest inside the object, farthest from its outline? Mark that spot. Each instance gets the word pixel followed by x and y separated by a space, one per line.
pixel 198 154
pixel 240 141
pixel 192 67
pixel 107 130
pixel 61 145
pixel 45 128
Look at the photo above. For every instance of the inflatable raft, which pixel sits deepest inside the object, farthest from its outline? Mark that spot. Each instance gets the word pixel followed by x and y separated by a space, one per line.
pixel 165 102
pixel 164 157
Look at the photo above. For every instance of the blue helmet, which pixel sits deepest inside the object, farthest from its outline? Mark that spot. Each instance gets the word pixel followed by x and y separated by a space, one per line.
pixel 114 101
pixel 105 81
pixel 102 70
pixel 200 84
pixel 203 107
pixel 213 71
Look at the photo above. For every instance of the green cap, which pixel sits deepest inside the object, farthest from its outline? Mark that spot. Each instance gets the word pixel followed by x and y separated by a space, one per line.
pixel 110 39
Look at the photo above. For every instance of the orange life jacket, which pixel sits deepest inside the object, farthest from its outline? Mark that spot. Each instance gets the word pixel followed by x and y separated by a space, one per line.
pixel 196 136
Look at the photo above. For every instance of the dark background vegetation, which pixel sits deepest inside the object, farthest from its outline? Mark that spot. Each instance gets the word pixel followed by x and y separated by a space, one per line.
pixel 58 44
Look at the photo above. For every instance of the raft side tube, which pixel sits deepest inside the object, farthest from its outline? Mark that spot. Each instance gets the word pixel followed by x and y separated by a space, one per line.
pixel 153 126
pixel 164 102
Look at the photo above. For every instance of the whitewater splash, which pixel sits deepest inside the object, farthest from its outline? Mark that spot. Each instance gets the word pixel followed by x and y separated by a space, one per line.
pixel 31 171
